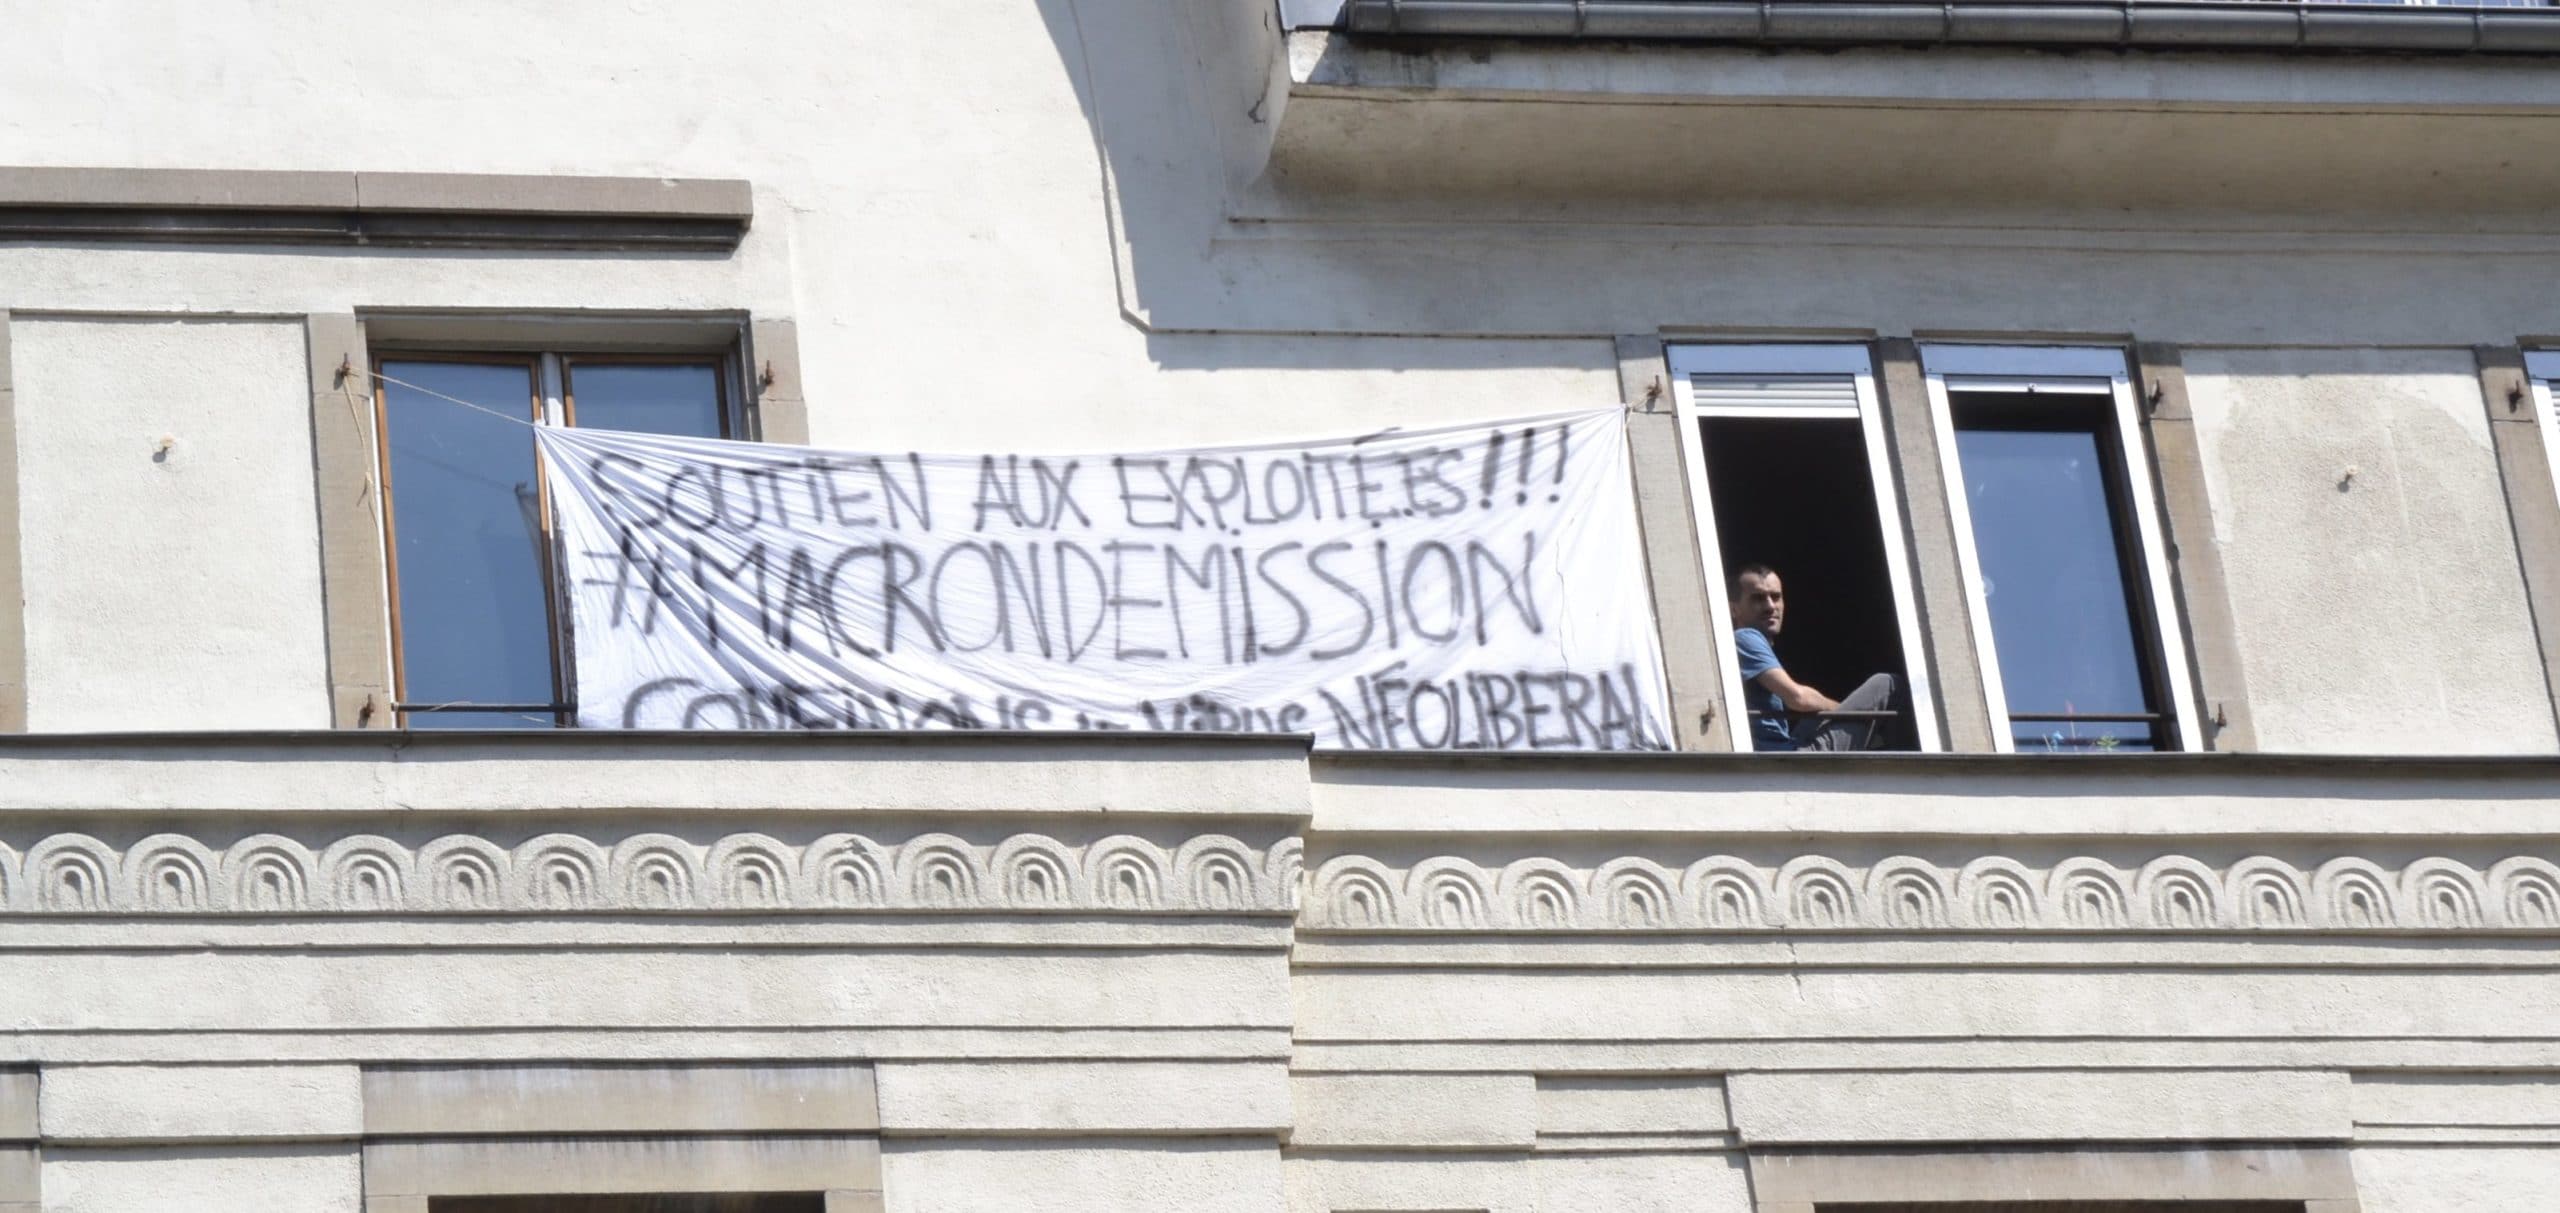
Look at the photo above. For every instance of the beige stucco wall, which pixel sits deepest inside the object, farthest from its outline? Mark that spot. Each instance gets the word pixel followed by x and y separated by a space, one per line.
pixel 1615 1177
pixel 1039 224
pixel 175 589
pixel 963 1176
pixel 1468 1002
pixel 2373 570
pixel 204 1179
pixel 2520 1178
pixel 1078 240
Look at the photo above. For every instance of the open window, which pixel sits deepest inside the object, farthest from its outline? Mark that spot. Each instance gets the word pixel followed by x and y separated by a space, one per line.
pixel 2059 538
pixel 1787 463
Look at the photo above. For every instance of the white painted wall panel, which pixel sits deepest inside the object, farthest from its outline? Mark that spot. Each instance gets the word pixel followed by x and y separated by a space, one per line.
pixel 1048 1098
pixel 176 590
pixel 1403 1111
pixel 1408 1181
pixel 2009 1105
pixel 216 1103
pixel 2372 567
pixel 323 1178
pixel 1137 1175
pixel 2523 1178
pixel 1689 1182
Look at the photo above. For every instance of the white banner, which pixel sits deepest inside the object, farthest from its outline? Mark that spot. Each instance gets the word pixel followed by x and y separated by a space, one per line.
pixel 1477 588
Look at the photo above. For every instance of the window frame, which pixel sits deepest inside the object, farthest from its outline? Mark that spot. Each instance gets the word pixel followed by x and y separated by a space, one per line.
pixel 550 374
pixel 2541 367
pixel 1857 361
pixel 2083 371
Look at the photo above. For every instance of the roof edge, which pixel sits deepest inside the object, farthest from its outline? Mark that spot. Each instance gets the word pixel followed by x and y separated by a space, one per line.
pixel 2249 25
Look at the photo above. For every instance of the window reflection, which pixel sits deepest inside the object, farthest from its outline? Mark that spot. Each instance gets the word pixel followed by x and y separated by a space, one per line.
pixel 680 399
pixel 471 570
pixel 474 622
pixel 2042 481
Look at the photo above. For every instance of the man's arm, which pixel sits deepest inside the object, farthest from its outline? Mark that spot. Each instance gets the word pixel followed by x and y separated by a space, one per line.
pixel 1796 696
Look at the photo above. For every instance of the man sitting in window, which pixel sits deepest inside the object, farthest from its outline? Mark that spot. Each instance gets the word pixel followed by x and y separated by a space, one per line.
pixel 1759 612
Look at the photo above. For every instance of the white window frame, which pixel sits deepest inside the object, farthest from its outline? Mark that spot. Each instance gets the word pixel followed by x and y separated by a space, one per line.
pixel 2058 370
pixel 2541 367
pixel 1857 362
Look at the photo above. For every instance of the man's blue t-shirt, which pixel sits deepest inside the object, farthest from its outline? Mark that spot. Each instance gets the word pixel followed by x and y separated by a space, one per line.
pixel 1768 732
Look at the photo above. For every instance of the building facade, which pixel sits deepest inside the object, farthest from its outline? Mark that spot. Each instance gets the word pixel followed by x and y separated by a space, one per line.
pixel 2222 871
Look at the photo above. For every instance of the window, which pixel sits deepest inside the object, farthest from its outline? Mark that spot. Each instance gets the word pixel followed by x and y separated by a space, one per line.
pixel 477 632
pixel 1786 453
pixel 2059 540
pixel 2543 367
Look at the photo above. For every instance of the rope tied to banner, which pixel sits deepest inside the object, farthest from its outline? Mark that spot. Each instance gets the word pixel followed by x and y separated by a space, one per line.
pixel 434 394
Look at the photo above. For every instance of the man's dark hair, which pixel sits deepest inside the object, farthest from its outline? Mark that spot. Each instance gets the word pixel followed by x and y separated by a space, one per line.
pixel 1749 570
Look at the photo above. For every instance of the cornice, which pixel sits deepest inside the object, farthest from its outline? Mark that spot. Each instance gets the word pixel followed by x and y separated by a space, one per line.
pixel 1992 893
pixel 561 873
pixel 1212 874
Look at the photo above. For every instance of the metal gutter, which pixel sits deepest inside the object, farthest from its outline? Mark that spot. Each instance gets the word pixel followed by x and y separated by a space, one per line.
pixel 2252 25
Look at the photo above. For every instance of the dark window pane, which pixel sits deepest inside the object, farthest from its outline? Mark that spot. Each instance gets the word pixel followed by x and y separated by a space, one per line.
pixel 531 716
pixel 466 521
pixel 2054 577
pixel 647 398
pixel 723 1202
pixel 1796 495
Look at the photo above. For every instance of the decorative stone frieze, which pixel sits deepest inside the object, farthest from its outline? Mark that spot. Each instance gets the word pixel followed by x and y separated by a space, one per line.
pixel 567 873
pixel 1812 893
pixel 562 873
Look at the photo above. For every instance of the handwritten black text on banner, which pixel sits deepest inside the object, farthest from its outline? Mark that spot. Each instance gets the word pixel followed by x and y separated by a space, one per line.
pixel 1475 588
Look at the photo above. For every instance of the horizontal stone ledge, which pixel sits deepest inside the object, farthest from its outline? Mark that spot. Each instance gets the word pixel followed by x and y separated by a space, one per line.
pixel 1919 1107
pixel 1602 956
pixel 1409 1111
pixel 620 1044
pixel 1083 1098
pixel 134 1104
pixel 2480 767
pixel 353 772
pixel 390 209
pixel 2295 1175
pixel 1854 800
pixel 555 1100
pixel 980 932
pixel 499 1166
pixel 1317 1048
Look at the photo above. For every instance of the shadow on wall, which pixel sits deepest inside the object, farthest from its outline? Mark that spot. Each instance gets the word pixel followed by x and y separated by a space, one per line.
pixel 1182 98
pixel 1374 205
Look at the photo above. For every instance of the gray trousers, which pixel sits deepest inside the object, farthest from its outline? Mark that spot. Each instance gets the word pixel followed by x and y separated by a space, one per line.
pixel 1873 695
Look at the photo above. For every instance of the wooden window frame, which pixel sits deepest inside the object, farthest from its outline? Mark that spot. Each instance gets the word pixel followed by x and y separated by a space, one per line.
pixel 550 375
